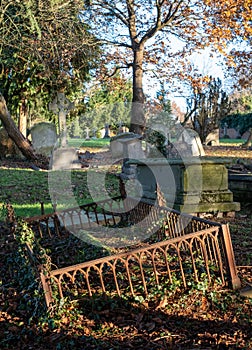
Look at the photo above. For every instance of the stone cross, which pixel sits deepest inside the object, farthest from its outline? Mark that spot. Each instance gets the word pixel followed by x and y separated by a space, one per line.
pixel 87 134
pixel 61 106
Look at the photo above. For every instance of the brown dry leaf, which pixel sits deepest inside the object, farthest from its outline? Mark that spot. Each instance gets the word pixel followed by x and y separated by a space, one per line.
pixel 204 303
pixel 162 303
pixel 65 320
pixel 86 330
pixel 90 323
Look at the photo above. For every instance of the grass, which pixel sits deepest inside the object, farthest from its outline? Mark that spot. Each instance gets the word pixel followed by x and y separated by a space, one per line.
pixel 231 141
pixel 32 209
pixel 25 189
pixel 92 143
pixel 102 143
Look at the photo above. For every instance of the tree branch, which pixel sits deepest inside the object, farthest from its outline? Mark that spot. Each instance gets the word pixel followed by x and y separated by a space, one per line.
pixel 159 25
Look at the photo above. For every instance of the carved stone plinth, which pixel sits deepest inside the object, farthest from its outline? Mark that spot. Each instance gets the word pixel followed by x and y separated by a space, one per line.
pixel 197 185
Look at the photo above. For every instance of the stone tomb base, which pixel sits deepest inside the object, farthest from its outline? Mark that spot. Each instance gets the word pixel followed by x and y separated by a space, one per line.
pixel 188 185
pixel 241 186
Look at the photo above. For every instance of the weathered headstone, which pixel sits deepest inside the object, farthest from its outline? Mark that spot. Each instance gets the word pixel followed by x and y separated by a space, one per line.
pixel 61 106
pixel 189 144
pixel 120 129
pixel 225 130
pixel 65 158
pixel 127 147
pixel 213 138
pixel 189 185
pixel 43 137
pixel 94 133
pixel 118 150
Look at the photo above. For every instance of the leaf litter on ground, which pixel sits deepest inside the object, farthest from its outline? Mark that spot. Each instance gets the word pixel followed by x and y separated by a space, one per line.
pixel 219 319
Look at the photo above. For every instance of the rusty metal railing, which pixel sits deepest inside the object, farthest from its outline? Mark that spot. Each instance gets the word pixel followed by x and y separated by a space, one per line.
pixel 189 250
pixel 84 216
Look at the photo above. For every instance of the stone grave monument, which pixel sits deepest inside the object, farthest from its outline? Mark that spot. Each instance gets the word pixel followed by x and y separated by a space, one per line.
pixel 191 183
pixel 43 137
pixel 213 138
pixel 61 106
pixel 189 144
pixel 126 145
pixel 87 134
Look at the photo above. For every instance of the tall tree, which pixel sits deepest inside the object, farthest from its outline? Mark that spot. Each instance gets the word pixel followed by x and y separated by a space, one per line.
pixel 109 103
pixel 207 106
pixel 45 47
pixel 142 35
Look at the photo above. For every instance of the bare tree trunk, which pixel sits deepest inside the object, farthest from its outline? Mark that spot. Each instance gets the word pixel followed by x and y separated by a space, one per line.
pixel 138 122
pixel 14 133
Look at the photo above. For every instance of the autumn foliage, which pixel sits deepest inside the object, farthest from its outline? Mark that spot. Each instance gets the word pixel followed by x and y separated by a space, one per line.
pixel 156 36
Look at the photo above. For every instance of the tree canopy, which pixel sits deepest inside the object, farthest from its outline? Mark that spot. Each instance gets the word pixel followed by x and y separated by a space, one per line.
pixel 154 36
pixel 107 102
pixel 45 47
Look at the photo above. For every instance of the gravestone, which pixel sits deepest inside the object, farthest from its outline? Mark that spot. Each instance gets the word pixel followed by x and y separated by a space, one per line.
pixel 61 106
pixel 225 130
pixel 43 137
pixel 65 158
pixel 213 138
pixel 189 185
pixel 189 144
pixel 94 133
pixel 120 129
pixel 126 145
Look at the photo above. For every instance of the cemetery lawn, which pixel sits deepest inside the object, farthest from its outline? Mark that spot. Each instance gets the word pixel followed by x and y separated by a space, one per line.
pixel 98 144
pixel 199 319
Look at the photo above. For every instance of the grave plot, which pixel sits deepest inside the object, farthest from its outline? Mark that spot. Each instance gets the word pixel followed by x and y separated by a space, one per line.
pixel 128 248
